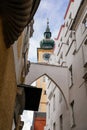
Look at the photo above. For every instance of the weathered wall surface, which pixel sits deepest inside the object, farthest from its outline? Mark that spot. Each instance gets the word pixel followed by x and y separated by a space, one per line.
pixel 7 84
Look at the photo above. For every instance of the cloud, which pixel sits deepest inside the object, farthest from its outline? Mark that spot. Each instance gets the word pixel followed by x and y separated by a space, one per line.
pixel 26 126
pixel 27 117
pixel 34 44
pixel 55 11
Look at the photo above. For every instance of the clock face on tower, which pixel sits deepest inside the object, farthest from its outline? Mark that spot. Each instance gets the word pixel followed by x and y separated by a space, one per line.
pixel 46 56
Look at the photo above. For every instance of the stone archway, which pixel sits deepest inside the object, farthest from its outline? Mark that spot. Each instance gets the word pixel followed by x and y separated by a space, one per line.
pixel 57 74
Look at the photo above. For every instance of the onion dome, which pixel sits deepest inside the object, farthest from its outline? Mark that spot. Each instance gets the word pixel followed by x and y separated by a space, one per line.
pixel 47 42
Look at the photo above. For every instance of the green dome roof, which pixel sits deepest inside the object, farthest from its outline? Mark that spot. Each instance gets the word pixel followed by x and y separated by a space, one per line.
pixel 47 42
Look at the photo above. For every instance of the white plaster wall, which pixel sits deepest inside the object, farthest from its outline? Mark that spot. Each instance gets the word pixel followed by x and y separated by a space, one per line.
pixel 78 92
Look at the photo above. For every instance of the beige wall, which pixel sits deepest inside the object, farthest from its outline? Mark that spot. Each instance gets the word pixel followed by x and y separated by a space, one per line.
pixel 11 66
pixel 42 105
pixel 40 53
pixel 40 82
pixel 7 84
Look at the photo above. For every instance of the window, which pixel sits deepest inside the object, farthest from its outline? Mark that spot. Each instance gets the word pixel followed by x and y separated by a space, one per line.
pixel 85 53
pixel 85 76
pixel 70 34
pixel 60 97
pixel 61 122
pixel 49 110
pixel 85 21
pixel 70 16
pixel 72 114
pixel 67 24
pixel 27 68
pixel 54 126
pixel 67 42
pixel 61 56
pixel 84 24
pixel 70 77
pixel 53 102
pixel 61 59
pixel 44 92
pixel 61 39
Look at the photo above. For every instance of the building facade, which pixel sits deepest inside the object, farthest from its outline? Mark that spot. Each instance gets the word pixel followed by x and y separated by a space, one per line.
pixel 71 51
pixel 20 51
pixel 14 17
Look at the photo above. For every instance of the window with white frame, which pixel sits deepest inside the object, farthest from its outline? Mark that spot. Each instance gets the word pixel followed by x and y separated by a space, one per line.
pixel 60 97
pixel 67 42
pixel 67 24
pixel 61 122
pixel 70 76
pixel 70 34
pixel 59 45
pixel 54 102
pixel 72 116
pixel 44 92
pixel 61 39
pixel 61 56
pixel 70 15
pixel 85 53
pixel 84 24
pixel 54 126
pixel 49 110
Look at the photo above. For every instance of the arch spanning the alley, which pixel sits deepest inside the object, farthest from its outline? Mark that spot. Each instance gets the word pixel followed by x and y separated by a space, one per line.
pixel 57 74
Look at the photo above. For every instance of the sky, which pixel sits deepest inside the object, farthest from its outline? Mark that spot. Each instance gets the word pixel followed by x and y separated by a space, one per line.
pixel 27 117
pixel 54 10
